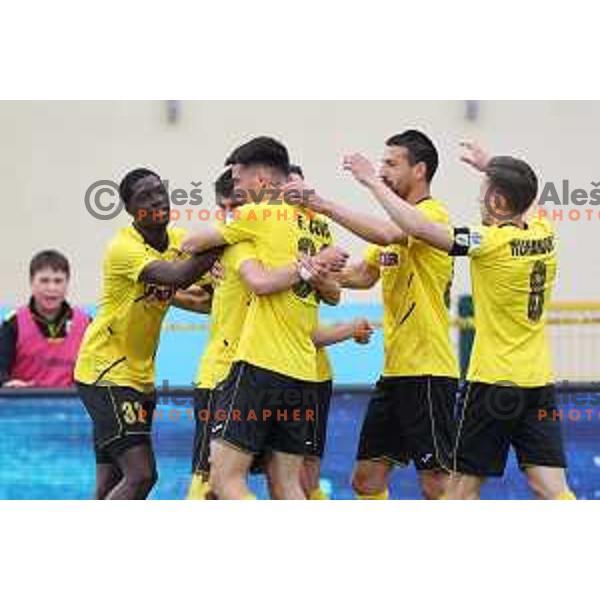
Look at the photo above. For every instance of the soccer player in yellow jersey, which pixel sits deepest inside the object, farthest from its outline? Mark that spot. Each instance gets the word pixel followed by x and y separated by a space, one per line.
pixel 510 396
pixel 266 401
pixel 359 330
pixel 242 278
pixel 411 414
pixel 143 269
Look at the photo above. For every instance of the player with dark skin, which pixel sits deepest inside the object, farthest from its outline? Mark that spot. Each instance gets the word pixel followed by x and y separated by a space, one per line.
pixel 132 474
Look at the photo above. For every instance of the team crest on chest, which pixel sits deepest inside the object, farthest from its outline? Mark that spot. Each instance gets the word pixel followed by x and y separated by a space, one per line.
pixel 389 259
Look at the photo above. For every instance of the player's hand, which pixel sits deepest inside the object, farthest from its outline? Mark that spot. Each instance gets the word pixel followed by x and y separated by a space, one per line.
pixel 473 154
pixel 361 168
pixel 18 383
pixel 218 271
pixel 333 257
pixel 190 244
pixel 303 195
pixel 362 331
pixel 316 270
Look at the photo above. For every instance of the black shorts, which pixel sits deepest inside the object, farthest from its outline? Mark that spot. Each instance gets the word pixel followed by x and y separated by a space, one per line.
pixel 318 428
pixel 494 418
pixel 257 411
pixel 203 408
pixel 410 418
pixel 122 418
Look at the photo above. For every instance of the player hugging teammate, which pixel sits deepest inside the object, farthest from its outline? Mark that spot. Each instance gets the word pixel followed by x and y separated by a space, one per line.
pixel 265 370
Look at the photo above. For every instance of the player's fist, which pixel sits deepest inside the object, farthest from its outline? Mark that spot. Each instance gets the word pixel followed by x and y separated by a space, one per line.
pixel 473 154
pixel 297 192
pixel 361 168
pixel 333 257
pixel 311 270
pixel 362 331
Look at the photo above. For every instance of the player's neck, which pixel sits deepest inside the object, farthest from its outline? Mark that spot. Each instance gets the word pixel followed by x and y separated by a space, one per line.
pixel 155 237
pixel 518 222
pixel 418 194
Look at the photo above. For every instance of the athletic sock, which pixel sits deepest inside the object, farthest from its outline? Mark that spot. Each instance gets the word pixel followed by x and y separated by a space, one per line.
pixel 385 495
pixel 318 494
pixel 566 495
pixel 198 488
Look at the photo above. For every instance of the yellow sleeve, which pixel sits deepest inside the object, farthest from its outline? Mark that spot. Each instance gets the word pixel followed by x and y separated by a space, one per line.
pixel 372 255
pixel 247 224
pixel 126 258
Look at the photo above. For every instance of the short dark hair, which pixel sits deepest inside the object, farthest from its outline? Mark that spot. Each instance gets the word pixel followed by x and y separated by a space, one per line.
pixel 49 259
pixel 261 150
pixel 515 180
pixel 129 181
pixel 420 149
pixel 297 169
pixel 224 185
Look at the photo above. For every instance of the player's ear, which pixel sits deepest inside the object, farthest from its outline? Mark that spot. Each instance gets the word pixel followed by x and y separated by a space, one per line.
pixel 420 170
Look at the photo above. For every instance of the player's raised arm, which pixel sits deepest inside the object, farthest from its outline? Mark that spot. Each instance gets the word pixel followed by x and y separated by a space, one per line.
pixel 366 226
pixel 180 273
pixel 473 154
pixel 406 216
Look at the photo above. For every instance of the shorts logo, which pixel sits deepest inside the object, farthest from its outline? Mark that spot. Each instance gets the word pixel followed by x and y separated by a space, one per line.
pixel 426 458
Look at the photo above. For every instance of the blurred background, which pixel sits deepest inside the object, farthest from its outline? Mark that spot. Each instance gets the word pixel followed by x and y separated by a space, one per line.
pixel 52 152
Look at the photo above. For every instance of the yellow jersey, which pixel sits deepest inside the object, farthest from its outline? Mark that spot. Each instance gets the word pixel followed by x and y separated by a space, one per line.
pixel 277 333
pixel 121 342
pixel 512 275
pixel 230 303
pixel 416 280
pixel 324 370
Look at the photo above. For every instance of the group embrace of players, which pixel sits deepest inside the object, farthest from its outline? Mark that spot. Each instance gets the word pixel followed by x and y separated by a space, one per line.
pixel 264 383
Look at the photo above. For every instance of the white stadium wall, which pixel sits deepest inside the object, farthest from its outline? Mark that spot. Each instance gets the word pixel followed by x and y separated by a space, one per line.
pixel 50 153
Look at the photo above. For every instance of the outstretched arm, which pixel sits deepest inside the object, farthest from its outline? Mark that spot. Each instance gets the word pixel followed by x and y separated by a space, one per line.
pixel 179 273
pixel 406 216
pixel 360 330
pixel 209 237
pixel 359 276
pixel 195 299
pixel 366 226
